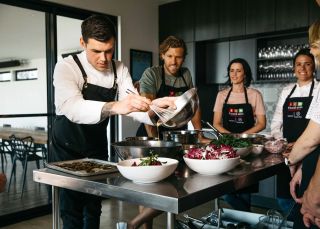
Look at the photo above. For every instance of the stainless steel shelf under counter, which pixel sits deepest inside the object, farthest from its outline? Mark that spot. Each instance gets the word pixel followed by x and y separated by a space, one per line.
pixel 182 191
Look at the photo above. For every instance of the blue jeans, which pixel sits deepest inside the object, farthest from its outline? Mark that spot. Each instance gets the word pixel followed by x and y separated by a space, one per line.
pixel 79 210
pixel 239 201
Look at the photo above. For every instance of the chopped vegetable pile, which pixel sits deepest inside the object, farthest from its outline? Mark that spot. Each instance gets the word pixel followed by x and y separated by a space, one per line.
pixel 212 152
pixel 149 161
pixel 232 141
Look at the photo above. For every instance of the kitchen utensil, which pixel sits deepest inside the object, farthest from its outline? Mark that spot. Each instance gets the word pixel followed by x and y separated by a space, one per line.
pixel 142 148
pixel 213 128
pixel 187 105
pixel 147 174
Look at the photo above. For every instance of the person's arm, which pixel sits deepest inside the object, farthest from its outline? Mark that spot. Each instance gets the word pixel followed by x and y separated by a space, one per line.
pixel 196 120
pixel 296 181
pixel 132 103
pixel 260 125
pixel 306 143
pixel 277 119
pixel 217 122
pixel 217 113
pixel 151 130
pixel 311 197
pixel 259 112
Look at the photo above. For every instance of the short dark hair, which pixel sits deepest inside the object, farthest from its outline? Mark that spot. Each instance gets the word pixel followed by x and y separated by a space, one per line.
pixel 303 52
pixel 172 42
pixel 246 69
pixel 98 27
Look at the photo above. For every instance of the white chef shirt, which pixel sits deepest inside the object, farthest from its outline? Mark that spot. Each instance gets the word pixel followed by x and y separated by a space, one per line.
pixel 277 120
pixel 68 83
pixel 314 109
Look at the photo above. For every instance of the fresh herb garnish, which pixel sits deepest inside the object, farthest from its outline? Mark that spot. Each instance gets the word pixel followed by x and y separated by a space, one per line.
pixel 228 139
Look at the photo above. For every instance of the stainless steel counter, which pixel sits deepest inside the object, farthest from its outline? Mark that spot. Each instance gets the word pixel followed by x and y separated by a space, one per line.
pixel 180 192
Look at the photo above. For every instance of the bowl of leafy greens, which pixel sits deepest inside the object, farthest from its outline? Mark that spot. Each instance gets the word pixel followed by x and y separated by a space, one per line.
pixel 243 147
pixel 148 169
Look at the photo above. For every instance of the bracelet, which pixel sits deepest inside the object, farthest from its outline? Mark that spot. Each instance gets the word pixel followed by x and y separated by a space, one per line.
pixel 287 161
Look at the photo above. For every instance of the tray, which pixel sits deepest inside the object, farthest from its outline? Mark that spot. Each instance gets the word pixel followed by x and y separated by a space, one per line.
pixel 94 167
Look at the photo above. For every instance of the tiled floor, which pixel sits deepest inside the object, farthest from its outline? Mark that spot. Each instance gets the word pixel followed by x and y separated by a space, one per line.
pixel 112 212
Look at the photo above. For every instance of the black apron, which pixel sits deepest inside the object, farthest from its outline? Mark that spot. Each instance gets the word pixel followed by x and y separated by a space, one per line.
pixel 166 90
pixel 309 165
pixel 75 141
pixel 294 112
pixel 237 118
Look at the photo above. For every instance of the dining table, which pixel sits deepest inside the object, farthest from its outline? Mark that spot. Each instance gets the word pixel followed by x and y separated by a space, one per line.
pixel 179 192
pixel 38 136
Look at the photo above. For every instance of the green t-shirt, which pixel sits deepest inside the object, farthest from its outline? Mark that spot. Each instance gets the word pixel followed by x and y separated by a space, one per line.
pixel 151 80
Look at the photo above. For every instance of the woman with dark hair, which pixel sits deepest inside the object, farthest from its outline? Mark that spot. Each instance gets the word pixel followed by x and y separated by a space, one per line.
pixel 291 110
pixel 239 109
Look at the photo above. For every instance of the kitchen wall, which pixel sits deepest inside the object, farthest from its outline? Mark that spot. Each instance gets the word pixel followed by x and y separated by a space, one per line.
pixel 139 30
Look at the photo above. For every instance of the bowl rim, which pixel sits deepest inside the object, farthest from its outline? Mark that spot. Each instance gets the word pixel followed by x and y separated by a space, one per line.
pixel 223 159
pixel 171 162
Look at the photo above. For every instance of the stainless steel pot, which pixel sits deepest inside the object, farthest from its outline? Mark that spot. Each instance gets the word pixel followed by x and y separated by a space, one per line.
pixel 188 137
pixel 140 138
pixel 181 136
pixel 141 148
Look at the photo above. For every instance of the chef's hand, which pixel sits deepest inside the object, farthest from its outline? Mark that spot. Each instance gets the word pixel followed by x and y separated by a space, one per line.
pixel 311 199
pixel 296 181
pixel 165 102
pixel 131 103
pixel 3 181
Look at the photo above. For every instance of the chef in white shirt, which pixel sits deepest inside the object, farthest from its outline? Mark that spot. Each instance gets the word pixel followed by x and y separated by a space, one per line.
pixel 86 86
pixel 289 120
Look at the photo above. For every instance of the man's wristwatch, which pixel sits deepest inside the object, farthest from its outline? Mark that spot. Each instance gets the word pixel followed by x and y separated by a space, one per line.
pixel 287 161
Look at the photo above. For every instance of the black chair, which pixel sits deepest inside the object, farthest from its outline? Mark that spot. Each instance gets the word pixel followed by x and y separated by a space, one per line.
pixel 5 150
pixel 40 148
pixel 22 149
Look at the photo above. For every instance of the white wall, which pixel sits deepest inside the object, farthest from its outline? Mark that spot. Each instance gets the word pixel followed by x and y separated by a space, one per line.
pixel 139 30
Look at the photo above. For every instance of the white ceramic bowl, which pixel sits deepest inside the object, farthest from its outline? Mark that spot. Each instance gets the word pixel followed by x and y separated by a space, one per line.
pixel 211 167
pixel 147 174
pixel 243 152
pixel 257 149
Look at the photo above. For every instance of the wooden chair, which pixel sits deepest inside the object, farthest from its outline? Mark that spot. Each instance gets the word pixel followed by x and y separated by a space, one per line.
pixel 22 149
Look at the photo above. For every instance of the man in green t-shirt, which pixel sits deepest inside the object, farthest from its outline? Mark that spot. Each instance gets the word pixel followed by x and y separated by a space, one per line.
pixel 169 79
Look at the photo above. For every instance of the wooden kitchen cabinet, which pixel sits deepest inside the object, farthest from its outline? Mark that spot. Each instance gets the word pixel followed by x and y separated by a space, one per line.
pixel 217 59
pixel 291 14
pixel 206 20
pixel 247 50
pixel 314 11
pixel 232 18
pixel 260 16
pixel 177 18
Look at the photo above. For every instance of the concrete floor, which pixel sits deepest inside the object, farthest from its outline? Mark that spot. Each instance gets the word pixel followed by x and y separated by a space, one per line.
pixel 112 212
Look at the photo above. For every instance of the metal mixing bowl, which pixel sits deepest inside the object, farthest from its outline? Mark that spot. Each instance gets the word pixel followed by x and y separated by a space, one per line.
pixel 187 104
pixel 140 148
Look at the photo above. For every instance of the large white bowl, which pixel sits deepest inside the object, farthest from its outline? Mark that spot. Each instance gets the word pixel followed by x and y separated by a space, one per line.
pixel 147 174
pixel 211 167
